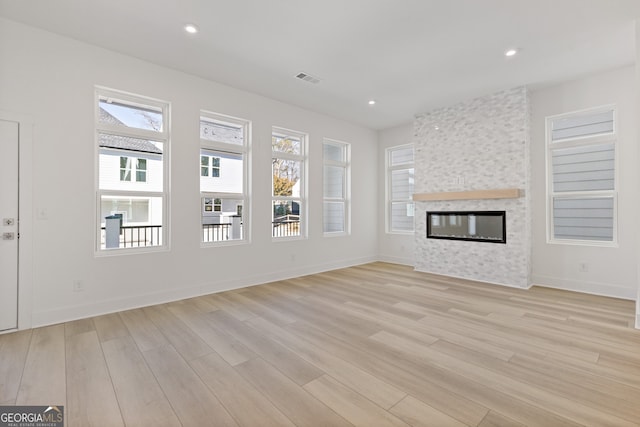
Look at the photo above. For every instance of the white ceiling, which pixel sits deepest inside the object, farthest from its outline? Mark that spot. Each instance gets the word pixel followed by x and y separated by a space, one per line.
pixel 409 55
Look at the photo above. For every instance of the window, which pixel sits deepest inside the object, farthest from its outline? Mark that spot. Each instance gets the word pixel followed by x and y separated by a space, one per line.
pixel 204 165
pixel 141 170
pixel 210 166
pixel 125 168
pixel 212 205
pixel 288 165
pixel 132 135
pixel 215 167
pixel 131 164
pixel 224 150
pixel 400 176
pixel 581 167
pixel 335 216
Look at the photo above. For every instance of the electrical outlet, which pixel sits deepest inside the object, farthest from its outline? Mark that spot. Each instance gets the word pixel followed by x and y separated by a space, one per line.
pixel 78 286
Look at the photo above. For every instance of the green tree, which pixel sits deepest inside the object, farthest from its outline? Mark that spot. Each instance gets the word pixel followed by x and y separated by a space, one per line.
pixel 281 209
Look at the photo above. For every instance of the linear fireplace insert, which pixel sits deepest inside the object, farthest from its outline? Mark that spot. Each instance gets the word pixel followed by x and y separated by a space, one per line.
pixel 475 226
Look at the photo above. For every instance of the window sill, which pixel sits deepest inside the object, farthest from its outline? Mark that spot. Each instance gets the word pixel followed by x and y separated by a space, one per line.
pixel 206 245
pixel 288 238
pixel 337 234
pixel 101 253
pixel 591 243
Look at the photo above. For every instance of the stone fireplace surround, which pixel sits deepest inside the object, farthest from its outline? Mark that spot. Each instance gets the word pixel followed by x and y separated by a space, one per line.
pixel 470 148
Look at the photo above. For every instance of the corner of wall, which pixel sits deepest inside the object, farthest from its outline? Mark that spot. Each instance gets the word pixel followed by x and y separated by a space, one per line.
pixel 392 248
pixel 637 138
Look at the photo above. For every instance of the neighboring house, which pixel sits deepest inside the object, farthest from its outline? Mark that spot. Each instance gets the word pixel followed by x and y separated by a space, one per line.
pixel 129 164
pixel 132 164
pixel 221 173
pixel 220 178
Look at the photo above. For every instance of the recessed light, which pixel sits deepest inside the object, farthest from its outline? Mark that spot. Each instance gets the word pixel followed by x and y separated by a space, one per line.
pixel 372 102
pixel 510 52
pixel 191 29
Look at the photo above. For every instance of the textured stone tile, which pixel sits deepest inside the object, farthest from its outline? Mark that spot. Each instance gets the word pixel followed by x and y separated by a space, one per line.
pixel 476 145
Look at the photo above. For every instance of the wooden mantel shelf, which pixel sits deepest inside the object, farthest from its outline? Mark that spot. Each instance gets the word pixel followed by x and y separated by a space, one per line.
pixel 503 193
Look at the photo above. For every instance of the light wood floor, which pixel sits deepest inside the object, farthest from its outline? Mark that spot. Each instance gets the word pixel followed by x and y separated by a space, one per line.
pixel 375 345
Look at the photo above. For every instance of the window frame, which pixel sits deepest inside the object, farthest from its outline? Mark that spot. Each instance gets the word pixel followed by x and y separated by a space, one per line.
pixel 210 167
pixel 132 166
pixel 140 170
pixel 345 164
pixel 215 167
pixel 389 201
pixel 575 142
pixel 126 170
pixel 243 150
pixel 164 136
pixel 205 167
pixel 302 199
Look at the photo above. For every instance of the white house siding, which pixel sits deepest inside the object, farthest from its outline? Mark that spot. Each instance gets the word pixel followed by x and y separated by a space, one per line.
pixel 110 171
pixel 231 175
pixel 135 210
pixel 229 209
pixel 132 210
pixel 230 181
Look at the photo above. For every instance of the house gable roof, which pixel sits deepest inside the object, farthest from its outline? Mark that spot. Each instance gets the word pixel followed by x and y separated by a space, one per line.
pixel 128 144
pixel 125 143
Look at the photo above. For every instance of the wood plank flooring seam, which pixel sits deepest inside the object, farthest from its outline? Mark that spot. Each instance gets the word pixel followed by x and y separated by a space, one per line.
pixel 376 342
pixel 7 365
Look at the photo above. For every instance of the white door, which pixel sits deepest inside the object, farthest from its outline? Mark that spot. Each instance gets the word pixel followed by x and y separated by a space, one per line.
pixel 9 226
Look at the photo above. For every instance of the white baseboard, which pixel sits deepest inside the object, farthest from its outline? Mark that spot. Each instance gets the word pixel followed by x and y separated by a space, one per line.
pixel 397 260
pixel 70 313
pixel 586 287
pixel 508 285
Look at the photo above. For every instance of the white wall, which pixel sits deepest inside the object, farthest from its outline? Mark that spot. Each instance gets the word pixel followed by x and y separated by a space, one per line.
pixel 397 248
pixel 51 79
pixel 611 271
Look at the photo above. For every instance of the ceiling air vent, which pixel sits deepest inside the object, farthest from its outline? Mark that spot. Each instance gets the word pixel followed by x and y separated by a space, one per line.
pixel 307 78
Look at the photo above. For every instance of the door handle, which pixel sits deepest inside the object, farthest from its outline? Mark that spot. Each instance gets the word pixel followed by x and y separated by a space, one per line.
pixel 8 236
